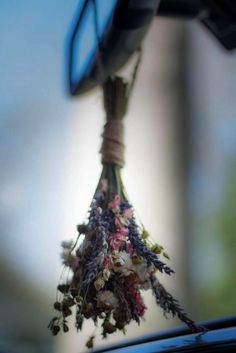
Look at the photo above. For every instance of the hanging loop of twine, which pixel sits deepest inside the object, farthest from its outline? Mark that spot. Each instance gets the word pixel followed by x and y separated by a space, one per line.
pixel 116 93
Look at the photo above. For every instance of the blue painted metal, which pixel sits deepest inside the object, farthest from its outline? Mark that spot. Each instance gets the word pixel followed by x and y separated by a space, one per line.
pixel 220 335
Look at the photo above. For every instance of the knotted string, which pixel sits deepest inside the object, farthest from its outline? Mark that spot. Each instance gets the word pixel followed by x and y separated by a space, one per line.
pixel 115 104
pixel 116 92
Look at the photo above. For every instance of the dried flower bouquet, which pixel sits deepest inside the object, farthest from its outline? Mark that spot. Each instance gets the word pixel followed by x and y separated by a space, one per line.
pixel 113 259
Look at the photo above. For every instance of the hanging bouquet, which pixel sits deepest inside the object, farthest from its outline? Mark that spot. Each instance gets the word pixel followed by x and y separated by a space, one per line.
pixel 112 260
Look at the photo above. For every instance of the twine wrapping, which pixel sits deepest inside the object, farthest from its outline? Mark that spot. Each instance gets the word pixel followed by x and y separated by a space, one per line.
pixel 115 104
pixel 113 147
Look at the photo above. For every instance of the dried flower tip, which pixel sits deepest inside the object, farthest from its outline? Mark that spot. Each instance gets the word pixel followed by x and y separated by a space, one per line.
pixel 88 310
pixel 108 327
pixel 82 228
pixel 79 299
pixel 79 323
pixel 157 249
pixel 90 342
pixel 57 306
pixel 68 302
pixel 63 288
pixel 67 244
pixel 120 325
pixel 74 292
pixel 166 255
pixel 66 311
pixel 65 327
pixel 51 323
pixel 55 330
pixel 137 260
pixel 145 234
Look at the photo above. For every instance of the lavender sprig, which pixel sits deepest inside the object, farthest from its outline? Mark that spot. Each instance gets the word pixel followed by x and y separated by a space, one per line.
pixel 143 251
pixel 99 226
pixel 171 305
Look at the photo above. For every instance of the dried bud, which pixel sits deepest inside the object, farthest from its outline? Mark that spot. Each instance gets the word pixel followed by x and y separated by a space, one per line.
pixel 108 327
pixel 66 311
pixel 63 288
pixel 88 310
pixel 82 228
pixel 55 330
pixel 74 292
pixel 57 306
pixel 79 299
pixel 79 322
pixel 68 302
pixel 65 327
pixel 120 325
pixel 90 341
pixel 137 260
pixel 145 234
pixel 157 249
pixel 166 255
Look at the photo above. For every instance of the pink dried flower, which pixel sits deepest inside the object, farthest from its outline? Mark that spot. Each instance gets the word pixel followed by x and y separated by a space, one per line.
pixel 140 306
pixel 130 249
pixel 117 240
pixel 107 261
pixel 128 213
pixel 115 203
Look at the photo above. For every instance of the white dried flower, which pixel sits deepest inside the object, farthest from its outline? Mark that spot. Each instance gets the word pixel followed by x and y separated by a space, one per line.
pixel 106 274
pixel 123 263
pixel 67 244
pixel 146 285
pixel 99 283
pixel 107 298
pixel 67 258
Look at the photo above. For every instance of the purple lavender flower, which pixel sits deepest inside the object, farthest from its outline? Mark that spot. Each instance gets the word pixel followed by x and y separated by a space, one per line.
pixel 143 251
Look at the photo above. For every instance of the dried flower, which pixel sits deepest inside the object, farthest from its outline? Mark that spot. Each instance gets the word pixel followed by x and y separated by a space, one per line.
pixel 99 283
pixel 110 266
pixel 107 298
pixel 90 342
pixel 106 273
pixel 67 244
pixel 108 327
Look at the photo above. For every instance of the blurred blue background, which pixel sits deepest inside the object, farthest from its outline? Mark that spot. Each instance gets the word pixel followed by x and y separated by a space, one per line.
pixel 182 116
